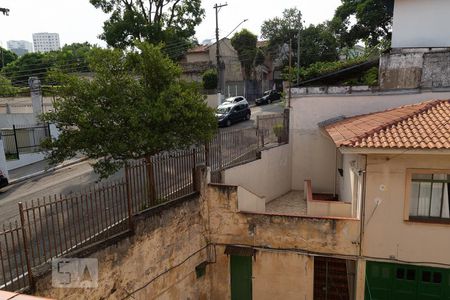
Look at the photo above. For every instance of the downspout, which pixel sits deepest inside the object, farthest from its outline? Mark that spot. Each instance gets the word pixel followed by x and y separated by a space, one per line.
pixel 335 171
pixel 363 208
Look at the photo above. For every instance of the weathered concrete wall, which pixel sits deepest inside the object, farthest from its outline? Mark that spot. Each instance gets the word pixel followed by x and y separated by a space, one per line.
pixel 400 71
pixel 387 234
pixel 415 68
pixel 161 242
pixel 275 275
pixel 313 152
pixel 268 177
pixel 436 70
pixel 321 235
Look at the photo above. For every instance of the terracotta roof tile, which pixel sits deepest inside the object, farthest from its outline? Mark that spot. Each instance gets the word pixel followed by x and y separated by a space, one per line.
pixel 425 125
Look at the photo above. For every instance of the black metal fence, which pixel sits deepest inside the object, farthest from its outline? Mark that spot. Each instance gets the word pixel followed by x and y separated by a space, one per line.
pixel 23 139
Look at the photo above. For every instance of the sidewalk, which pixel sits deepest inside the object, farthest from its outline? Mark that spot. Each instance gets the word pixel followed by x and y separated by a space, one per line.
pixel 39 168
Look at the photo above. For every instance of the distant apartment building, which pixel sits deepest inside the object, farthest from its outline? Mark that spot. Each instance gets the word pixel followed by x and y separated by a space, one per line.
pixel 46 42
pixel 20 47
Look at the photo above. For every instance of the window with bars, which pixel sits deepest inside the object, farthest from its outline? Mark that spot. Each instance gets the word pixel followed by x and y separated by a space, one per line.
pixel 429 197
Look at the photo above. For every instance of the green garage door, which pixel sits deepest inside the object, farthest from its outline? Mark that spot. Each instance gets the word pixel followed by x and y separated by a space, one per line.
pixel 385 281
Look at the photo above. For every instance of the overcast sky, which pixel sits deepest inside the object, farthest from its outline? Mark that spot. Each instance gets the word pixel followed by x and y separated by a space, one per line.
pixel 79 21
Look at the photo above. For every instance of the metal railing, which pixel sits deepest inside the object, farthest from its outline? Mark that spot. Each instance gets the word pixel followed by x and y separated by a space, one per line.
pixel 58 225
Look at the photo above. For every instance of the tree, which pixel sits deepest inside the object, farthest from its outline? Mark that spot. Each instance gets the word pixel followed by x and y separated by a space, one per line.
pixel 135 106
pixel 317 43
pixel 244 42
pixel 373 21
pixel 170 21
pixel 6 88
pixel 281 30
pixel 30 64
pixel 6 57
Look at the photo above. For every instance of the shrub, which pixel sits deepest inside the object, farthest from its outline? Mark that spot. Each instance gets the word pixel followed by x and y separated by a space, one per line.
pixel 210 79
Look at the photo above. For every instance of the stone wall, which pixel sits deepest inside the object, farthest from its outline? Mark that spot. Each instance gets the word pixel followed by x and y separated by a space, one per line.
pixel 162 241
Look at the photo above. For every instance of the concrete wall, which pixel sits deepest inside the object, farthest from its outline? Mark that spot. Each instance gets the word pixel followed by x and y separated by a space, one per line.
pixel 197 57
pixel 3 165
pixel 268 177
pixel 419 23
pixel 387 235
pixel 162 241
pixel 8 120
pixel 313 153
pixel 212 100
pixel 320 235
pixel 233 70
pixel 275 275
pixel 247 201
pixel 415 68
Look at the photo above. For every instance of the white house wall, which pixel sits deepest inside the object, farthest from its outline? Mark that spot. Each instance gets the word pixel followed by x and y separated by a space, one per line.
pixel 313 153
pixel 421 23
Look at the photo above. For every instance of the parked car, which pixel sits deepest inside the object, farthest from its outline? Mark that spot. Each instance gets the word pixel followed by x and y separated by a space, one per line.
pixel 268 97
pixel 229 113
pixel 237 99
pixel 3 180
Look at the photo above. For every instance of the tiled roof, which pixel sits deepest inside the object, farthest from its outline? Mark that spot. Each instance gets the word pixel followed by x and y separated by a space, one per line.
pixel 199 49
pixel 420 126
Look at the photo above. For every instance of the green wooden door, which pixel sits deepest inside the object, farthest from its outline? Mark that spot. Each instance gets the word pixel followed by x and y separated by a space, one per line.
pixel 406 282
pixel 241 277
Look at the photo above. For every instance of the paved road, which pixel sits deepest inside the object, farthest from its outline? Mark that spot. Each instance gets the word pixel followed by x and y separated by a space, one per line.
pixel 77 177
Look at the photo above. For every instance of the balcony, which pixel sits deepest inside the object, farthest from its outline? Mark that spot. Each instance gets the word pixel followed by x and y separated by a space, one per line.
pixel 297 203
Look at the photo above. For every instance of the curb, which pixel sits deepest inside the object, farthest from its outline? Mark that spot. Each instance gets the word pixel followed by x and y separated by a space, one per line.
pixel 36 174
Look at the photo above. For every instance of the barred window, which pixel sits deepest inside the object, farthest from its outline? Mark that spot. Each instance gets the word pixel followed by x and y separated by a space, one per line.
pixel 429 197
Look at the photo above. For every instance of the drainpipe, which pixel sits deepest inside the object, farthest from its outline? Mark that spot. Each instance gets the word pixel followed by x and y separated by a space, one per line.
pixel 363 208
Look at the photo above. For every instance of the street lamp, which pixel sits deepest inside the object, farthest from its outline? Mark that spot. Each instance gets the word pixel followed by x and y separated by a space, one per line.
pixel 243 21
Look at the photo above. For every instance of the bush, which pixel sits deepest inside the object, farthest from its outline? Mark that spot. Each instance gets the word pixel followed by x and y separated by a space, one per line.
pixel 210 79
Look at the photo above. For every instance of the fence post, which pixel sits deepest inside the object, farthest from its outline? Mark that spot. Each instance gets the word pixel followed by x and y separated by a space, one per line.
pixel 219 138
pixel 15 141
pixel 207 162
pixel 127 183
pixel 151 180
pixel 286 125
pixel 26 245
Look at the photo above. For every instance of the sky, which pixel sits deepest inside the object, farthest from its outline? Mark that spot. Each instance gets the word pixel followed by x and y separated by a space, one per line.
pixel 79 21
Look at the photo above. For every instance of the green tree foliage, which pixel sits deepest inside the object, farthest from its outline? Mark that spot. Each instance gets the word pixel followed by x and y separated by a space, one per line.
pixel 6 88
pixel 170 21
pixel 373 21
pixel 6 57
pixel 280 30
pixel 135 106
pixel 71 59
pixel 210 79
pixel 317 43
pixel 244 42
pixel 30 64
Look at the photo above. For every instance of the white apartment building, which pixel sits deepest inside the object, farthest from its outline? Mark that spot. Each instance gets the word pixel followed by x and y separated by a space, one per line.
pixel 20 47
pixel 46 42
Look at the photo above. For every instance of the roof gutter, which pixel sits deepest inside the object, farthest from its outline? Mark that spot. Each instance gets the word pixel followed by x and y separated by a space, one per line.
pixel 353 150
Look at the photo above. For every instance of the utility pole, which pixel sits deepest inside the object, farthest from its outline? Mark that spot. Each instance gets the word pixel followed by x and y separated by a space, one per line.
pixel 298 46
pixel 290 72
pixel 219 77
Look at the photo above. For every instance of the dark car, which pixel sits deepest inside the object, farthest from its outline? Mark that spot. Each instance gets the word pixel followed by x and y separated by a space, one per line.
pixel 3 180
pixel 268 97
pixel 229 113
